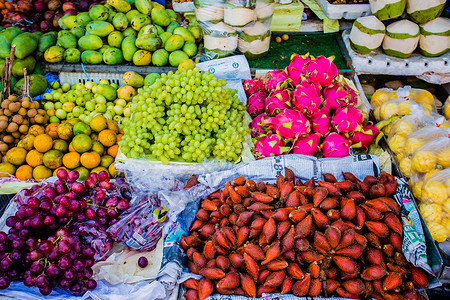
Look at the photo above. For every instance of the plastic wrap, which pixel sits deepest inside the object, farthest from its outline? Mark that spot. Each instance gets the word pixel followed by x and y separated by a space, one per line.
pixel 420 96
pixel 234 26
pixel 435 204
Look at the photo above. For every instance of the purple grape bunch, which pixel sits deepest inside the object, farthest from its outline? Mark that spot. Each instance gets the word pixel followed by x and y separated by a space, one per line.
pixel 59 231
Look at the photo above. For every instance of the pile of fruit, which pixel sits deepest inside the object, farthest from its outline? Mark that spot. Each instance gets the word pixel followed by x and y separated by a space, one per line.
pixel 71 145
pixel 335 238
pixel 85 100
pixel 59 231
pixel 16 117
pixel 185 116
pixel 117 33
pixel 304 109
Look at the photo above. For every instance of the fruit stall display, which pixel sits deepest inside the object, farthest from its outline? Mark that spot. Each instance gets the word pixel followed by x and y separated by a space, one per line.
pixel 119 33
pixel 331 239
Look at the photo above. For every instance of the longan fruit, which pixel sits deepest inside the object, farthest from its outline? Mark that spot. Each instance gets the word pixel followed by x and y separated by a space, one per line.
pixel 35 103
pixel 4 118
pixel 31 112
pixel 278 39
pixel 26 99
pixel 285 37
pixel 23 129
pixel 32 121
pixel 16 134
pixel 22 111
pixel 1 112
pixel 3 147
pixel 24 121
pixel 12 97
pixel 26 103
pixel 12 127
pixel 8 139
pixel 8 113
pixel 14 107
pixel 3 125
pixel 5 104
pixel 46 119
pixel 17 119
pixel 39 119
pixel 41 112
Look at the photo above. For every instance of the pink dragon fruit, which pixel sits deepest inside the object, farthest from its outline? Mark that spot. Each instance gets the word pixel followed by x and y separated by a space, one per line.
pixel 338 95
pixel 289 124
pixel 270 145
pixel 255 126
pixel 255 105
pixel 347 119
pixel 306 97
pixel 364 137
pixel 274 79
pixel 335 145
pixel 321 71
pixel 320 121
pixel 252 86
pixel 307 145
pixel 296 66
pixel 277 101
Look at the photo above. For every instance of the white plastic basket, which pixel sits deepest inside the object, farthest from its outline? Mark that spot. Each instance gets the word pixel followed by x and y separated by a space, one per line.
pixel 344 11
pixel 183 7
pixel 76 77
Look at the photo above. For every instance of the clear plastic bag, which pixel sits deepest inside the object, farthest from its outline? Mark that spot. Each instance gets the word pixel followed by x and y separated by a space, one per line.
pixel 141 226
pixel 234 25
pixel 422 97
pixel 435 204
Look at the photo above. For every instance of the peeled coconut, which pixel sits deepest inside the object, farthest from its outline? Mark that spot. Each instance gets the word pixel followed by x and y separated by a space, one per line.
pixel 367 34
pixel 209 10
pixel 388 9
pixel 264 9
pixel 401 38
pixel 422 11
pixel 239 13
pixel 254 40
pixel 220 39
pixel 435 37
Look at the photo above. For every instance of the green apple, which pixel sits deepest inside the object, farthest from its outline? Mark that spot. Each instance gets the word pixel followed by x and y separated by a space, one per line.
pixel 47 96
pixel 117 118
pixel 100 107
pixel 88 119
pixel 100 99
pixel 79 86
pixel 81 101
pixel 108 116
pixel 64 98
pixel 58 105
pixel 49 105
pixel 54 119
pixel 61 114
pixel 57 95
pixel 103 81
pixel 70 116
pixel 90 105
pixel 55 85
pixel 89 85
pixel 77 111
pixel 68 106
pixel 109 106
pixel 114 85
pixel 121 102
pixel 85 91
pixel 118 109
pixel 72 97
pixel 66 87
pixel 127 111
pixel 81 117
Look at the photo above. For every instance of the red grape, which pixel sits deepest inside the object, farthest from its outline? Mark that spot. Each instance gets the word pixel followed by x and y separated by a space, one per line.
pixel 46 290
pixel 142 262
pixel 64 247
pixel 18 243
pixel 42 281
pixel 62 174
pixel 64 262
pixel 11 221
pixel 35 255
pixel 61 211
pixel 73 176
pixel 94 177
pixel 70 275
pixel 102 176
pixel 90 213
pixel 33 202
pixel 90 284
pixel 88 252
pixel 123 204
pixel 6 263
pixel 99 196
pixel 50 193
pixel 53 271
pixel 89 183
pixel 37 267
pixel 45 205
pixel 74 205
pixel 78 187
pixel 49 220
pixel 4 282
pixel 46 247
pixel 111 202
pixel 105 185
pixel 64 284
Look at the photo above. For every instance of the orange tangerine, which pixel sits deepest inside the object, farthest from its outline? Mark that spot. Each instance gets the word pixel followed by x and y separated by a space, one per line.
pixel 107 137
pixel 43 143
pixel 24 172
pixel 71 160
pixel 52 130
pixel 113 150
pixel 36 130
pixel 90 159
pixel 35 158
pixel 41 172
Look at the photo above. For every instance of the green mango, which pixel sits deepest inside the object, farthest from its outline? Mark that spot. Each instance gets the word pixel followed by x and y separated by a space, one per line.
pixel 172 26
pixel 26 43
pixel 133 79
pixel 172 14
pixel 72 56
pixel 140 21
pixel 10 33
pixel 129 48
pixel 70 21
pixel 190 48
pixel 120 5
pixel 160 17
pixel 185 33
pixel 107 91
pixel 144 6
pixel 164 37
pixel 142 58
pixel 104 48
pixel 67 41
pixel 151 78
pixel 148 29
pixel 157 5
pixel 160 58
pixel 5 47
pixel 61 22
pixel 113 56
pixel 28 62
pixel 63 32
pixel 54 54
pixel 83 18
pixel 120 22
pixel 98 13
pixel 45 41
pixel 90 42
pixel 78 32
pixel 91 57
pixel 38 69
pixel 38 34
pixel 160 29
pixel 176 57
pixel 149 43
pixel 115 39
pixel 38 85
pixel 131 14
pixel 174 42
pixel 197 32
pixel 111 16
pixel 100 28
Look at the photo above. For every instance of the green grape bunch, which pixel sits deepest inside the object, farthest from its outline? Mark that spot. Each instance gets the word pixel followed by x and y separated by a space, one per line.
pixel 185 116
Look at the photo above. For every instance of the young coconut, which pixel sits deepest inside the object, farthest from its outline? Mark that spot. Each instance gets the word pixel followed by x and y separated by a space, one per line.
pixel 387 9
pixel 254 40
pixel 435 37
pixel 401 39
pixel 239 13
pixel 221 39
pixel 264 9
pixel 421 11
pixel 209 10
pixel 367 34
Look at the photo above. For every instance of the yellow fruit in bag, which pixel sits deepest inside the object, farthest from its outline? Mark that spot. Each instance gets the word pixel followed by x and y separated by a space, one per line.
pixel 429 173
pixel 431 212
pixel 444 158
pixel 438 232
pixel 424 161
pixel 447 184
pixel 421 96
pixel 402 127
pixel 412 144
pixel 381 96
pixel 404 108
pixel 388 110
pixel 397 144
pixel 405 166
pixel 446 207
pixel 447 111
pixel 434 191
pixel 417 190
